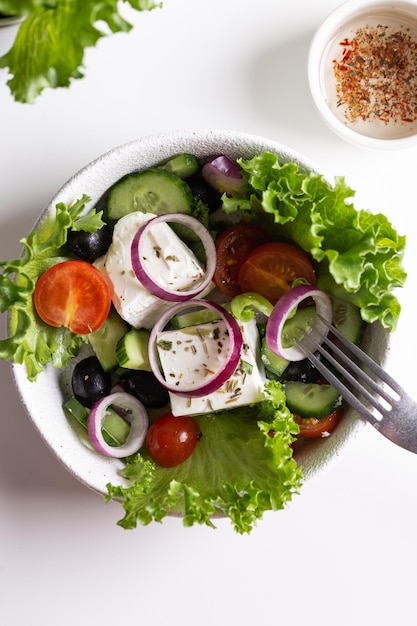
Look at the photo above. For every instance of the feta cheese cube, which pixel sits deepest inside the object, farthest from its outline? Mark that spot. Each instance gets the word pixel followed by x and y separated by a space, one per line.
pixel 174 266
pixel 192 355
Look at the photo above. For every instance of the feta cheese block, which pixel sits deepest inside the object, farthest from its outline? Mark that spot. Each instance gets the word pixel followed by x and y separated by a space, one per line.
pixel 172 263
pixel 192 355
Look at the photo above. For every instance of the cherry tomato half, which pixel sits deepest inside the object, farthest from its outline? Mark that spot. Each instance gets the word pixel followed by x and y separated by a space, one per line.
pixel 270 269
pixel 312 427
pixel 73 294
pixel 171 439
pixel 232 247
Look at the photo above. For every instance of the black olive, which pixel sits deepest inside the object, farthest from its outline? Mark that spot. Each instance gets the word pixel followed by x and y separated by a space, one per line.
pixel 146 388
pixel 89 246
pixel 90 382
pixel 302 371
pixel 204 192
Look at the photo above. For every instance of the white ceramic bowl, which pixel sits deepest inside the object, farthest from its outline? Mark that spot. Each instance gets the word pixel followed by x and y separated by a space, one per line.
pixel 328 91
pixel 43 398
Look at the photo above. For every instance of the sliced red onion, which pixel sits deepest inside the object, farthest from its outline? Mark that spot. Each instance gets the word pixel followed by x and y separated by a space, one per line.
pixel 146 279
pixel 281 312
pixel 230 363
pixel 223 174
pixel 135 414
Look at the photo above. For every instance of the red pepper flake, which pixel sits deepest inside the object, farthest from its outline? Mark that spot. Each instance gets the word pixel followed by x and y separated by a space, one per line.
pixel 376 78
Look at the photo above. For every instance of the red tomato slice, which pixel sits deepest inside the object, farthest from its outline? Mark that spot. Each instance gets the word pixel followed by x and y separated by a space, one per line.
pixel 73 294
pixel 312 427
pixel 233 247
pixel 271 269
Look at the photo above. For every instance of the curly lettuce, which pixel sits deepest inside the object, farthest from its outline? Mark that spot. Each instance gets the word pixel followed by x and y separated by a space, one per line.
pixel 30 341
pixel 359 253
pixel 49 47
pixel 242 467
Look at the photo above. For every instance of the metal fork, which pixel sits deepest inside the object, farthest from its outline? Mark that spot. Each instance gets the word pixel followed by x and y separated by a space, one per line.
pixel 373 393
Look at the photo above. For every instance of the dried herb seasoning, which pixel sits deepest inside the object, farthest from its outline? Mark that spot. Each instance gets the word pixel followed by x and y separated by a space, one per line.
pixel 376 77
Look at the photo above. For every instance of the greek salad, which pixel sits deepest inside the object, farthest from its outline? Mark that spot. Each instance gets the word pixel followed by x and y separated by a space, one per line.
pixel 189 287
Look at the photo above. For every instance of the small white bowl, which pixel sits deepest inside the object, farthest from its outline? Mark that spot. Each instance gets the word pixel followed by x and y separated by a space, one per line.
pixel 343 23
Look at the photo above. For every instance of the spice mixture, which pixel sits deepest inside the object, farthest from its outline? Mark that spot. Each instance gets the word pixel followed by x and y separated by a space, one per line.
pixel 376 78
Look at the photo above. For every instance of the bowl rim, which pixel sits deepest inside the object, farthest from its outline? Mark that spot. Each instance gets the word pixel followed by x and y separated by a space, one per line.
pixel 318 44
pixel 62 436
pixel 10 20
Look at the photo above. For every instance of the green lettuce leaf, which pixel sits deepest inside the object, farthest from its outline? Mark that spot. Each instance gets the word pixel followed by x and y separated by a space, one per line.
pixel 46 53
pixel 242 467
pixel 360 253
pixel 20 7
pixel 30 341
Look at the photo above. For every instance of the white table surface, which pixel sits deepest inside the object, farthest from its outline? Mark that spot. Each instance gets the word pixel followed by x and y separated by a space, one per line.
pixel 344 552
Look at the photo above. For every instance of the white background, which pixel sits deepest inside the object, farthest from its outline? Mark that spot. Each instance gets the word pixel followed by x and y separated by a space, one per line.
pixel 345 551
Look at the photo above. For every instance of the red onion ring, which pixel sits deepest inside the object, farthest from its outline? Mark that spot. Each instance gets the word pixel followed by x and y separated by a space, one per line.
pixel 280 314
pixel 230 364
pixel 145 278
pixel 223 174
pixel 136 414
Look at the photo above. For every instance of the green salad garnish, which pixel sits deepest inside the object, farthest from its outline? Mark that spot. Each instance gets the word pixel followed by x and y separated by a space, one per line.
pixel 242 467
pixel 49 47
pixel 360 253
pixel 31 341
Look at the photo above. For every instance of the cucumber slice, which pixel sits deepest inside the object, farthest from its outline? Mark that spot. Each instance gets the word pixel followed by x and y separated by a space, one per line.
pixel 151 191
pixel 77 410
pixel 273 363
pixel 183 165
pixel 298 325
pixel 193 318
pixel 347 319
pixel 311 399
pixel 132 350
pixel 115 429
pixel 105 339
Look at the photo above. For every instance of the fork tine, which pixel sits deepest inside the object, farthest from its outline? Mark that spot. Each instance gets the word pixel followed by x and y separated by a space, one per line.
pixel 397 419
pixel 353 367
pixel 374 400
pixel 344 391
pixel 365 358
